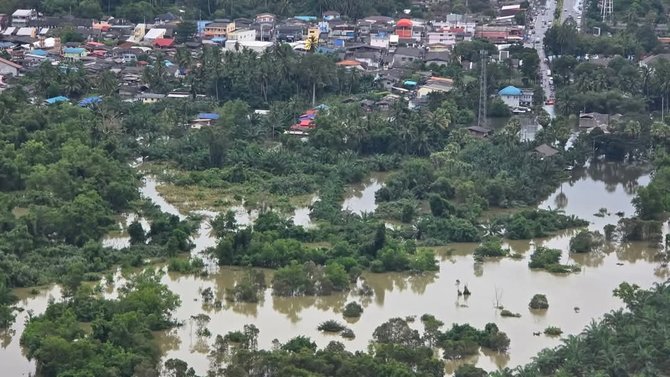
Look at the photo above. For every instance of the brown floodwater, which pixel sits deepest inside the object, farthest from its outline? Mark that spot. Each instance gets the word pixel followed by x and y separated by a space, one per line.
pixel 508 281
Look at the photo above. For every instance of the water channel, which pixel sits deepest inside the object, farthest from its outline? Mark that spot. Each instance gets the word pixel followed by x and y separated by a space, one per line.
pixel 602 185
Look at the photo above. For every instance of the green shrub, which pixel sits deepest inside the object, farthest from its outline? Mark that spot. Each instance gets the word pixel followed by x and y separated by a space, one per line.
pixel 553 331
pixel 352 310
pixel 331 326
pixel 539 301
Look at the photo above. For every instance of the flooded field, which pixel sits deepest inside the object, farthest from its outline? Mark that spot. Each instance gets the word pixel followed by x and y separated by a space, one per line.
pixel 511 282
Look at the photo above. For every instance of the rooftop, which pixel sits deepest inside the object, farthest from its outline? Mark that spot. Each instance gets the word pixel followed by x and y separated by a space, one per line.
pixel 510 91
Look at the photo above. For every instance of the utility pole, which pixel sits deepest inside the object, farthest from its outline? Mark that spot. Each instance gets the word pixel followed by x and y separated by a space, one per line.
pixel 483 92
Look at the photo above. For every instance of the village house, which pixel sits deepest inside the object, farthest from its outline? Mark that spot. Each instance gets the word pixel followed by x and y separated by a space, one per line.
pixel 242 35
pixel 266 18
pixel 290 32
pixel 9 68
pixel 204 120
pixel 74 53
pixel 514 97
pixel 589 121
pixel 405 56
pixel 440 58
pixel 21 17
pixel 150 97
pixel 218 29
pixel 331 15
pixel 380 40
pixel 480 132
pixel 435 85
pixel 545 150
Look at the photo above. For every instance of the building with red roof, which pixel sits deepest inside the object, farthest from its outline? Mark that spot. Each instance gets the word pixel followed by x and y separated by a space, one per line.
pixel 403 29
pixel 163 42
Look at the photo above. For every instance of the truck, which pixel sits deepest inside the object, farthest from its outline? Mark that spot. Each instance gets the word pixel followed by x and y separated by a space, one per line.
pixel 549 73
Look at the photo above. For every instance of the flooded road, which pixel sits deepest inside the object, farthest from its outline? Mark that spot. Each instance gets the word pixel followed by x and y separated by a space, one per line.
pixel 609 186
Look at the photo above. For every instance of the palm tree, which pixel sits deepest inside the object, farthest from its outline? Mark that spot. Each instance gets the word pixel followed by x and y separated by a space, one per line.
pixel 107 83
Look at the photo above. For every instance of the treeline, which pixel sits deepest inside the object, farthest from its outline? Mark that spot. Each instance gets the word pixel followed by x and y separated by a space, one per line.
pixel 146 10
pixel 118 339
pixel 624 342
pixel 396 349
pixel 64 181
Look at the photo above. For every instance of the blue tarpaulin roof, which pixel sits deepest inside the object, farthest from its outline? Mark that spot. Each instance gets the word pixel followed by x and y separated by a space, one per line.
pixel 53 100
pixel 38 52
pixel 305 18
pixel 410 83
pixel 90 101
pixel 73 50
pixel 211 116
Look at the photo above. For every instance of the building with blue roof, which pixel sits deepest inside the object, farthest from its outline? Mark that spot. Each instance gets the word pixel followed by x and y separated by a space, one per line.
pixel 58 99
pixel 74 53
pixel 88 101
pixel 211 116
pixel 515 97
pixel 39 52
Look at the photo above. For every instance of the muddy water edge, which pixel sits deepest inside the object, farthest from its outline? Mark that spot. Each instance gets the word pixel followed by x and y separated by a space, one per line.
pixel 511 282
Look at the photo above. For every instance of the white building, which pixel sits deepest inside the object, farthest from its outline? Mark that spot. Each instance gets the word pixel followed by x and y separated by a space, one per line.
pixel 382 41
pixel 242 35
pixel 514 97
pixel 258 46
pixel 442 37
pixel 155 33
pixel 21 17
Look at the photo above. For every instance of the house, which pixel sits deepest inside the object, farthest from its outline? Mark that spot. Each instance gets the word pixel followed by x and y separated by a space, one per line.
pixel 480 132
pixel 590 121
pixel 331 15
pixel 313 33
pixel 435 85
pixel 155 33
pixel 150 97
pixel 266 18
pixel 9 68
pixel 343 31
pixel 74 53
pixel 441 37
pixel 405 56
pixel 350 64
pixel 514 97
pixel 242 35
pixel 204 120
pixel 218 29
pixel 545 150
pixel 380 40
pixel 290 32
pixel 21 17
pixel 164 42
pixel 651 60
pixel 438 58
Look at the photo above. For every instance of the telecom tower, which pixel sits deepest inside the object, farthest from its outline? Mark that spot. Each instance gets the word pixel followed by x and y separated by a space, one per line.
pixel 606 10
pixel 481 114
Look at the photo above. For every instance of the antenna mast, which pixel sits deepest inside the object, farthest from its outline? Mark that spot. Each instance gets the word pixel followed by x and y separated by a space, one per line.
pixel 481 113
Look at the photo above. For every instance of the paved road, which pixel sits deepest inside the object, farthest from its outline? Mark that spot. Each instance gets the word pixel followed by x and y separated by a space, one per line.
pixel 542 21
pixel 572 8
